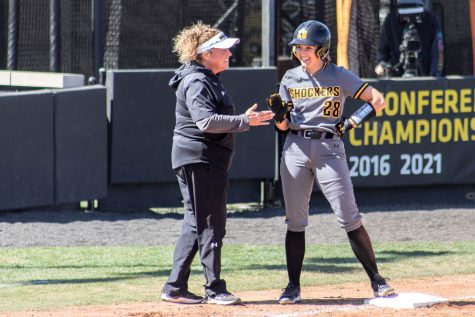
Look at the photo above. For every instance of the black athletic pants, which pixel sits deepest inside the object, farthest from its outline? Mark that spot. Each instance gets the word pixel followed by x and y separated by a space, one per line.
pixel 204 189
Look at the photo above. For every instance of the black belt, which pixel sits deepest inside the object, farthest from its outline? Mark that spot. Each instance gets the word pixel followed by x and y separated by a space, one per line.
pixel 313 134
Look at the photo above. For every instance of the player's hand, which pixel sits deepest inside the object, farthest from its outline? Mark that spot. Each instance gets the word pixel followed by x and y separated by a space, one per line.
pixel 257 118
pixel 343 127
pixel 274 102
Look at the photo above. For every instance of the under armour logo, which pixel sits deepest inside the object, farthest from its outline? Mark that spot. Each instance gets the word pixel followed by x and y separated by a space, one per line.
pixel 470 196
pixel 214 244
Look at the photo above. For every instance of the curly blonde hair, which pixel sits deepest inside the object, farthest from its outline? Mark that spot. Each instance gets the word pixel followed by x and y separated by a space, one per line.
pixel 188 40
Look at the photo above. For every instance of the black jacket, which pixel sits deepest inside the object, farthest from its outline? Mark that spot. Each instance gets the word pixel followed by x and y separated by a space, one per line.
pixel 199 95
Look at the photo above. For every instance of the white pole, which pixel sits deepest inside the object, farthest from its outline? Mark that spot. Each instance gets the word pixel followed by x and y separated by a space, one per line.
pixel 268 33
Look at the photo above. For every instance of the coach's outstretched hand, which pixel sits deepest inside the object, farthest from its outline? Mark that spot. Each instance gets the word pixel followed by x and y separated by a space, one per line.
pixel 257 118
pixel 278 107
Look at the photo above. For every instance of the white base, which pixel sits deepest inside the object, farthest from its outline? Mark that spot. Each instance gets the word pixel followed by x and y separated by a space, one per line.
pixel 406 300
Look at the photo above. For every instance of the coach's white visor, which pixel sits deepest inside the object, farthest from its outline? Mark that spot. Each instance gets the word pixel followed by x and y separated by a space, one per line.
pixel 220 40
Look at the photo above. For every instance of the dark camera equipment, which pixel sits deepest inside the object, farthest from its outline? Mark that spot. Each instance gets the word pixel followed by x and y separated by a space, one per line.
pixel 410 49
pixel 410 12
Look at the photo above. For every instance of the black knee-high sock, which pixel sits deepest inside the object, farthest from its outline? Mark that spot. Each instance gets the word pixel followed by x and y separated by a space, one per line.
pixel 362 248
pixel 294 252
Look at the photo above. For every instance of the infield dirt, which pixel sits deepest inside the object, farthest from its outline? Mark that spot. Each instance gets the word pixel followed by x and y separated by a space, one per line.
pixel 334 301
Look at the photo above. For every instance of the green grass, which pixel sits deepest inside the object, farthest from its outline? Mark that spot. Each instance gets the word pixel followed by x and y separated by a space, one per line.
pixel 44 278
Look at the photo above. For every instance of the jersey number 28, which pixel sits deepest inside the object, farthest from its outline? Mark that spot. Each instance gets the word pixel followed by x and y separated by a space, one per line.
pixel 331 108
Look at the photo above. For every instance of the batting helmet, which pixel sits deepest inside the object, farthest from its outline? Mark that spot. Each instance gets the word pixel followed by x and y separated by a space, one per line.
pixel 313 33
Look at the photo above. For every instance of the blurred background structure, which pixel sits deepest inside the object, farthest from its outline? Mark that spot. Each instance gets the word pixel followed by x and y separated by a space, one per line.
pixel 86 114
pixel 80 36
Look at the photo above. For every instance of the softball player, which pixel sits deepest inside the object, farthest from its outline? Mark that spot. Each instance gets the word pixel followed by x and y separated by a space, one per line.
pixel 313 97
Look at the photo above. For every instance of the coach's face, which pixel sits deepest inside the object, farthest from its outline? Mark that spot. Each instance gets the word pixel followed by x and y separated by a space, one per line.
pixel 217 59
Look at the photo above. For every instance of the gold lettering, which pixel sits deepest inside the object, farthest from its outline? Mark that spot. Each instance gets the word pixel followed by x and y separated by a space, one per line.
pixel 465 100
pixel 291 93
pixel 404 133
pixel 460 129
pixel 371 132
pixel 337 91
pixel 297 93
pixel 437 100
pixel 324 92
pixel 422 130
pixel 433 128
pixel 422 101
pixel 311 92
pixel 444 126
pixel 392 101
pixel 408 103
pixel 353 140
pixel 386 133
pixel 451 99
pixel 314 92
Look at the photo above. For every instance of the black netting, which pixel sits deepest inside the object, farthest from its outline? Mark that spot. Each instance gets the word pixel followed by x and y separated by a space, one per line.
pixel 363 46
pixel 330 20
pixel 354 45
pixel 3 33
pixel 362 38
pixel 138 33
pixel 229 16
pixel 111 34
pixel 458 59
pixel 76 37
pixel 33 35
pixel 290 14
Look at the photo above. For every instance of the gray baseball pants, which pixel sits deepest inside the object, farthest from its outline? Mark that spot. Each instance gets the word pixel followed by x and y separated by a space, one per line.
pixel 324 161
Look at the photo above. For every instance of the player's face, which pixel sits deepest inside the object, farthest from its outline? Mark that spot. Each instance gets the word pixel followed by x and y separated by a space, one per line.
pixel 218 59
pixel 306 55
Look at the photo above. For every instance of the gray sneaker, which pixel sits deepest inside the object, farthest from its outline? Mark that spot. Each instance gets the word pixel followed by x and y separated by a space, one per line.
pixel 381 288
pixel 291 295
pixel 182 298
pixel 223 298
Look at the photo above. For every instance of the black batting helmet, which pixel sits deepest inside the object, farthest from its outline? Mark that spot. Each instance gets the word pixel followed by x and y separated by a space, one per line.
pixel 313 33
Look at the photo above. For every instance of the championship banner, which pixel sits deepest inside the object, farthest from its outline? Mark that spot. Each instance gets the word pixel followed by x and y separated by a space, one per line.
pixel 424 136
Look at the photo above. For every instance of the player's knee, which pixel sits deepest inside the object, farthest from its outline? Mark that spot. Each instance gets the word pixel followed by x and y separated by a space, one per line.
pixel 296 223
pixel 350 226
pixel 296 228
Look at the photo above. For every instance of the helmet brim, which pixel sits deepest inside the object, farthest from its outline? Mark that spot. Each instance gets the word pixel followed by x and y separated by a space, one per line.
pixel 301 42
